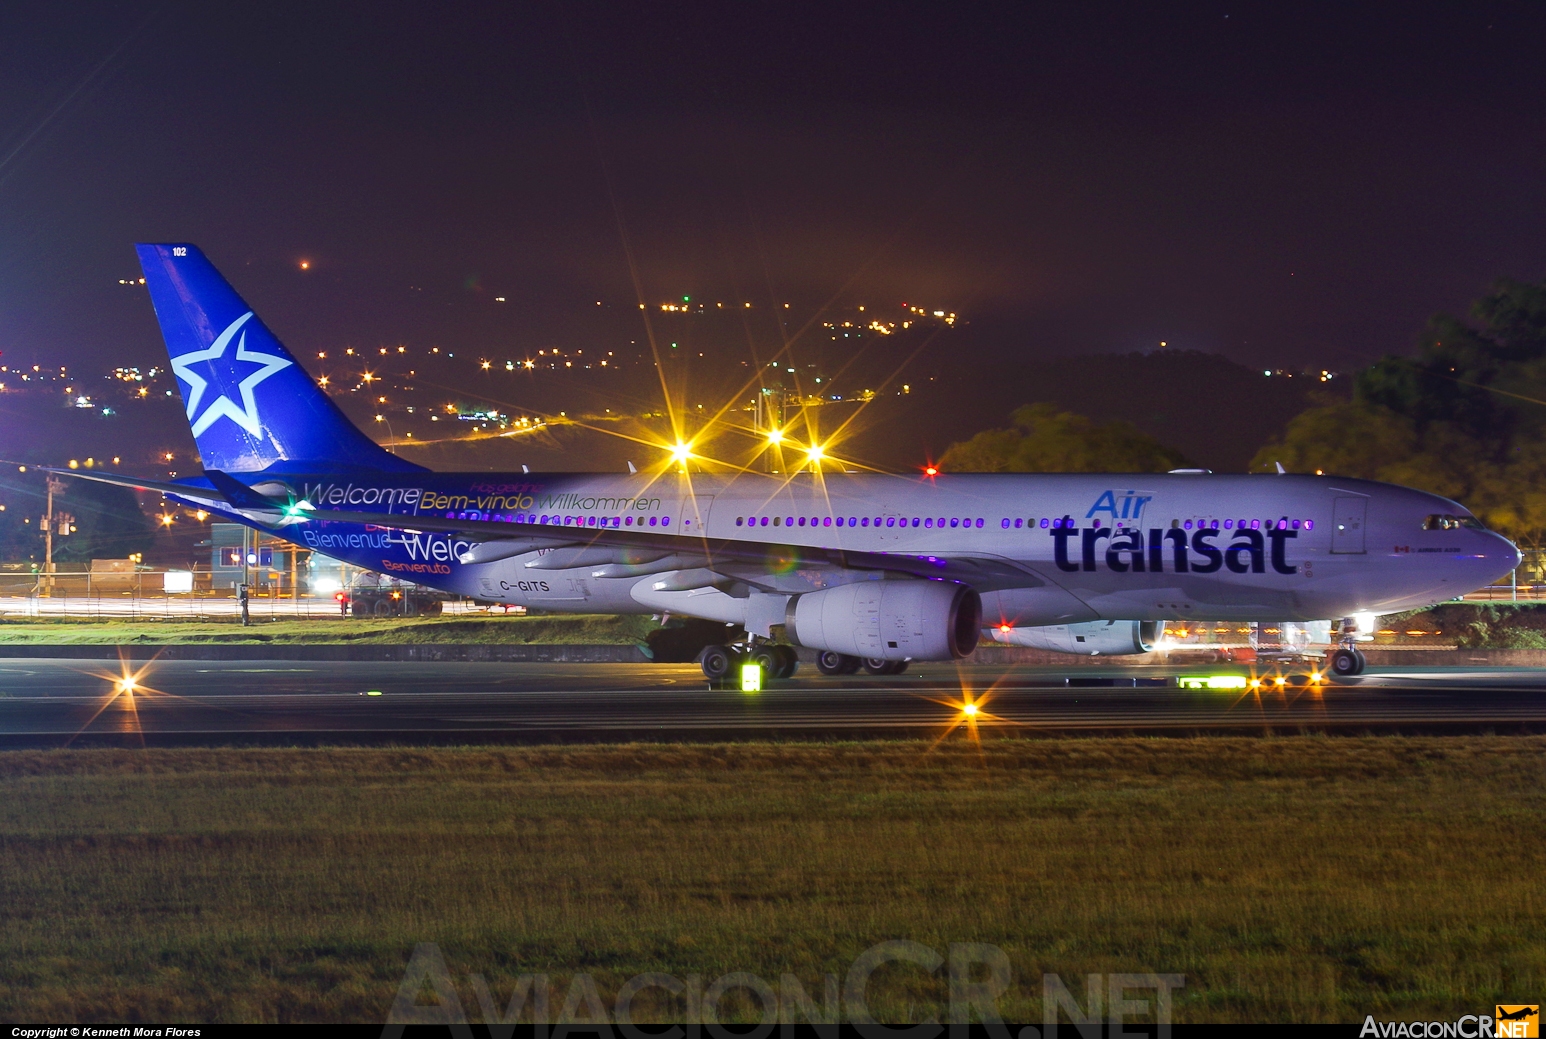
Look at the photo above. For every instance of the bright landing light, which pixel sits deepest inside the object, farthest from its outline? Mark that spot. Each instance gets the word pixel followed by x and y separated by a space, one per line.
pixel 681 452
pixel 127 684
pixel 970 710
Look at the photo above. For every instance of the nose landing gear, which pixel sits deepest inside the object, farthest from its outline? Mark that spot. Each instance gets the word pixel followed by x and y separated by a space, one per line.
pixel 1346 662
pixel 1347 659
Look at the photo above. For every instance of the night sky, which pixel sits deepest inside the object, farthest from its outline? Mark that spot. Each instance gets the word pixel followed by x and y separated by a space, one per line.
pixel 1288 188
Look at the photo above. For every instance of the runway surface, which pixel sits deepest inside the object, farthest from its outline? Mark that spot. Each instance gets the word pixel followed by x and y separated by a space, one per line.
pixel 49 703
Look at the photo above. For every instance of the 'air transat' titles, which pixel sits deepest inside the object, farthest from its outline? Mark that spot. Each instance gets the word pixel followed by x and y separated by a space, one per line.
pixel 1127 550
pixel 483 498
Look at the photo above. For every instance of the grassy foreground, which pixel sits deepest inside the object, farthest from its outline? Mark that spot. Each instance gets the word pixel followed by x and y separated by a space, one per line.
pixel 577 628
pixel 1288 879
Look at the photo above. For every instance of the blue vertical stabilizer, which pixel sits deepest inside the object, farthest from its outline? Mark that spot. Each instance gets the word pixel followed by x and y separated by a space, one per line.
pixel 250 404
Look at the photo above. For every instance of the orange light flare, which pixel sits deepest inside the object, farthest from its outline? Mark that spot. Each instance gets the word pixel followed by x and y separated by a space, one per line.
pixel 127 688
pixel 1255 685
pixel 1286 690
pixel 123 689
pixel 968 711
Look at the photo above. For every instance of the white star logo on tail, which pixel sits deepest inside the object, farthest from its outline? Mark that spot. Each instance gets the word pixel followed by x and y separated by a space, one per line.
pixel 244 415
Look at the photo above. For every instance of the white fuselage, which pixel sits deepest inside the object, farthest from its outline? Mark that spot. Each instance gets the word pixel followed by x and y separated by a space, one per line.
pixel 1062 548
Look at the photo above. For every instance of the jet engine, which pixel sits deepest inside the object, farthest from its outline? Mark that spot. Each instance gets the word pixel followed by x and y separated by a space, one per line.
pixel 1091 639
pixel 888 620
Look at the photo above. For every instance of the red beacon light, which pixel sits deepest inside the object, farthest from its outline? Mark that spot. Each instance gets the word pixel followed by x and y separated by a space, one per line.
pixel 931 470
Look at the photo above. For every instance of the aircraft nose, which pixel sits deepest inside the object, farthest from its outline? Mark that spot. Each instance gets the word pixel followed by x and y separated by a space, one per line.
pixel 1496 554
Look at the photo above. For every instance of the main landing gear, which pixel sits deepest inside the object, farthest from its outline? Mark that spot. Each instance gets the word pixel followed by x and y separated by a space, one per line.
pixel 830 663
pixel 721 663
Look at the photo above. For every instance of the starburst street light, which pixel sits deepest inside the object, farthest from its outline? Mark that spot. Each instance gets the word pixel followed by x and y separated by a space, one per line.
pixel 814 454
pixel 775 436
pixel 681 452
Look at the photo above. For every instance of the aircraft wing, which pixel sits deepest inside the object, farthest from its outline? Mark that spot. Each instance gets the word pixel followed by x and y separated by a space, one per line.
pixel 182 490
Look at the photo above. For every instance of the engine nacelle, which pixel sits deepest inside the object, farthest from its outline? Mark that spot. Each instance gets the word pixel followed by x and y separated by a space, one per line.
pixel 888 620
pixel 1091 639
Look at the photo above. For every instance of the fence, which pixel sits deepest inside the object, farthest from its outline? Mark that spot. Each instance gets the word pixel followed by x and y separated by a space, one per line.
pixel 168 607
pixel 27 592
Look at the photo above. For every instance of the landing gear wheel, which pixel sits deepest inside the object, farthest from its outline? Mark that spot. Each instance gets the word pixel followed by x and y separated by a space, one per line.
pixel 1345 663
pixel 877 666
pixel 1363 661
pixel 830 663
pixel 716 662
pixel 897 667
pixel 787 661
pixel 765 657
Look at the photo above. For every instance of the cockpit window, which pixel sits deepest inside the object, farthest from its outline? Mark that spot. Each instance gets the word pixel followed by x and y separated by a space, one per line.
pixel 1445 521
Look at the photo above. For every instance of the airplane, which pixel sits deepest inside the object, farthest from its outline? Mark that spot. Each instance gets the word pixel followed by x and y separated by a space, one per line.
pixel 868 570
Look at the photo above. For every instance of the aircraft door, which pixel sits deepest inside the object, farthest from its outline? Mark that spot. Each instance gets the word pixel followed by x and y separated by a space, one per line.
pixel 1347 525
pixel 695 514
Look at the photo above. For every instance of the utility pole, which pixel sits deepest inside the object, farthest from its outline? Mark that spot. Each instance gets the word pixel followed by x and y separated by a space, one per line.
pixel 46 587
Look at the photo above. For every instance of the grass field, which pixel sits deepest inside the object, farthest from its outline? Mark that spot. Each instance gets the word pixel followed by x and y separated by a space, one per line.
pixel 1301 878
pixel 577 628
